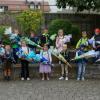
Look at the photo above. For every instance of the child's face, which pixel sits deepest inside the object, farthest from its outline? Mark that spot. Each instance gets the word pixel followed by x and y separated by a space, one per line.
pixel 60 33
pixel 84 35
pixel 97 31
pixel 7 47
pixel 23 44
pixel 45 31
pixel 16 31
pixel 45 48
pixel 32 34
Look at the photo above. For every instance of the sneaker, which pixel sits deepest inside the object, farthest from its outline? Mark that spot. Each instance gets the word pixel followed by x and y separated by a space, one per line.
pixel 5 78
pixel 28 79
pixel 48 79
pixel 83 79
pixel 22 79
pixel 61 78
pixel 78 79
pixel 8 78
pixel 66 78
pixel 42 79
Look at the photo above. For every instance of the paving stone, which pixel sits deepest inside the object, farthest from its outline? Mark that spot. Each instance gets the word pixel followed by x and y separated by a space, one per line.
pixel 50 90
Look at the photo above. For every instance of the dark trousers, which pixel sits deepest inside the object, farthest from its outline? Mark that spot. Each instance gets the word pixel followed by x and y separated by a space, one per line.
pixel 24 69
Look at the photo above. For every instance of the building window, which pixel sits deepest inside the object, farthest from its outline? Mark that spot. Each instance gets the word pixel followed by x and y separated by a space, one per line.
pixel 5 8
pixel 32 5
pixel 39 5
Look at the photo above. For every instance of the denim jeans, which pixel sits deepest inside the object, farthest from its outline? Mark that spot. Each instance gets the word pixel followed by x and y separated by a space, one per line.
pixel 81 70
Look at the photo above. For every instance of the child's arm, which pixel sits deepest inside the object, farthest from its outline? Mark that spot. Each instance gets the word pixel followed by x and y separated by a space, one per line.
pixel 78 44
pixel 76 54
pixel 41 53
pixel 50 57
pixel 57 44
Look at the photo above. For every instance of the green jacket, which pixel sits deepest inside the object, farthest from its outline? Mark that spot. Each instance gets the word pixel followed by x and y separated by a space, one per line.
pixel 81 41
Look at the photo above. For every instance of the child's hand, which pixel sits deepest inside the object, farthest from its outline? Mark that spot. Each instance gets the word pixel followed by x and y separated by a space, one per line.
pixel 41 47
pixel 69 64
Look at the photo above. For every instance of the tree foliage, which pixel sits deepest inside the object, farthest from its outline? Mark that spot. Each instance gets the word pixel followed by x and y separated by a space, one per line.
pixel 30 20
pixel 80 4
pixel 57 24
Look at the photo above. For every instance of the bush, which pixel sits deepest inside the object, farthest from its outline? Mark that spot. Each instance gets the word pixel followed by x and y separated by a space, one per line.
pixel 57 24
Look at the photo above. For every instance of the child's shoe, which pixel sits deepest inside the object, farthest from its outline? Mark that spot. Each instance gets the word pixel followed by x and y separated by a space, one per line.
pixel 8 78
pixel 43 79
pixel 5 78
pixel 22 79
pixel 61 78
pixel 83 79
pixel 48 78
pixel 78 79
pixel 28 79
pixel 66 78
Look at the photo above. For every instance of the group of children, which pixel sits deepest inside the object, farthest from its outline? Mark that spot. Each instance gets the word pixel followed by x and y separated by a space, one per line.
pixel 8 54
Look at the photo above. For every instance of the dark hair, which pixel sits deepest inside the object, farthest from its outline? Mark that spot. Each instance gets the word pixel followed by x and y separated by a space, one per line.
pixel 46 45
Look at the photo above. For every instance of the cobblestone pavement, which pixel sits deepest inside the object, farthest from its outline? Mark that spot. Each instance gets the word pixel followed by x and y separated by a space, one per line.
pixel 50 90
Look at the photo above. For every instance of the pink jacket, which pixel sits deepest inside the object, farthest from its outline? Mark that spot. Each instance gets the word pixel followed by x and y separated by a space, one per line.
pixel 59 43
